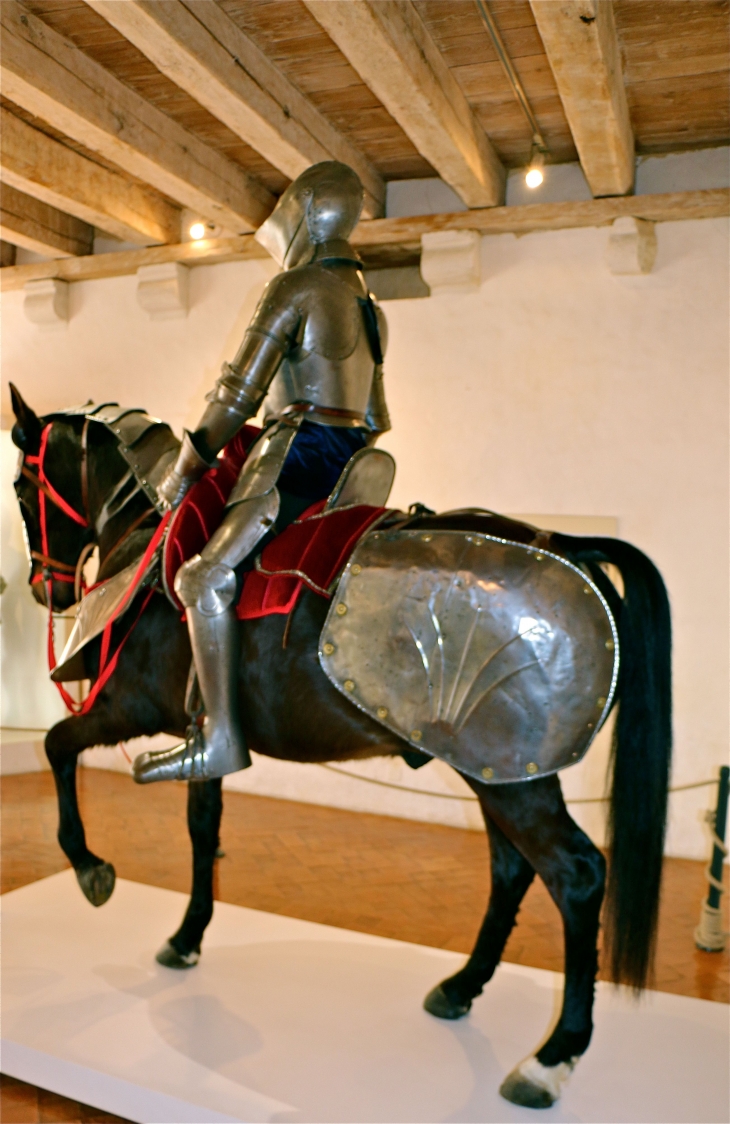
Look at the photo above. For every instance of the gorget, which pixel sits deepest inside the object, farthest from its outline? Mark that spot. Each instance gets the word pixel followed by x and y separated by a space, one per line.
pixel 496 656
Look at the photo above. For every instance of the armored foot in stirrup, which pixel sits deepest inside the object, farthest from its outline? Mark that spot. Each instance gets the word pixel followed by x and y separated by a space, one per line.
pixel 195 760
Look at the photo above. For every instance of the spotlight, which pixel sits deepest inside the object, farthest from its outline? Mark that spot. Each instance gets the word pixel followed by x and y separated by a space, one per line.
pixel 534 175
pixel 197 231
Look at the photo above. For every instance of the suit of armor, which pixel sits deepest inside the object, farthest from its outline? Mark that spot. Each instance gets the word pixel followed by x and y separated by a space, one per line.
pixel 312 356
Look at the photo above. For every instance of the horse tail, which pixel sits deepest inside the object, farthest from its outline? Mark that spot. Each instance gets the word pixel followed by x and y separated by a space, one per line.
pixel 641 753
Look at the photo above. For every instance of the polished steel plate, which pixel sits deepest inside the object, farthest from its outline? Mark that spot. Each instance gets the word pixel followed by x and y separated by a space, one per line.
pixel 497 657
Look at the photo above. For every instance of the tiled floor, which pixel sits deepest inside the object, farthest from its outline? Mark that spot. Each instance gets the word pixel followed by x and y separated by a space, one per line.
pixel 396 878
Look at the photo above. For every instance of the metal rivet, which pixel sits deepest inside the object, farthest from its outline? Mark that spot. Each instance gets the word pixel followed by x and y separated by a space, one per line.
pixel 487 773
pixel 356 569
pixel 531 767
pixel 586 589
pixel 574 754
pixel 600 701
pixel 539 557
pixel 382 712
pixel 610 645
pixel 426 538
pixel 416 735
pixel 590 725
pixel 349 685
pixel 328 648
pixel 341 609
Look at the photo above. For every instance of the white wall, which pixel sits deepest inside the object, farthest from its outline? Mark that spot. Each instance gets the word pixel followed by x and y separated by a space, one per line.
pixel 556 387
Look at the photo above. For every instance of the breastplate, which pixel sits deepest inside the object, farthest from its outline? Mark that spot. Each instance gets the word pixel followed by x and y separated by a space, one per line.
pixel 331 365
pixel 340 384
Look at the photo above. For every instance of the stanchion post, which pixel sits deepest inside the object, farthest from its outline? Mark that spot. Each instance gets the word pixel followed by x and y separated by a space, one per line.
pixel 709 935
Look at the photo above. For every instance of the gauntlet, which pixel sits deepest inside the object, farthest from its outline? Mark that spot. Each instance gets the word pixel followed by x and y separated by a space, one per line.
pixel 188 468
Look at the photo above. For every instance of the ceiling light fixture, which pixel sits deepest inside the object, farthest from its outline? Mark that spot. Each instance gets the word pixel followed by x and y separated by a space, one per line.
pixel 197 231
pixel 539 151
pixel 534 176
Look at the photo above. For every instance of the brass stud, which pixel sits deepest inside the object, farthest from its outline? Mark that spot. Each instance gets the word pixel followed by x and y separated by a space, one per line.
pixel 416 735
pixel 356 569
pixel 590 725
pixel 426 538
pixel 610 645
pixel 328 648
pixel 531 768
pixel 341 609
pixel 600 701
pixel 487 773
pixel 349 685
pixel 539 557
pixel 587 589
pixel 382 712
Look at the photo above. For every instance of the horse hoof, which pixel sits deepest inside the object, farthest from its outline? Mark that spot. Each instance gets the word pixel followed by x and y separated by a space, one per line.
pixel 519 1090
pixel 534 1085
pixel 169 957
pixel 438 1003
pixel 97 882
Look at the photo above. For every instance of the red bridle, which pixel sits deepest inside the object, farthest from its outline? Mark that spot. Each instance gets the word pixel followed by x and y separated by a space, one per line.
pixel 53 570
pixel 56 571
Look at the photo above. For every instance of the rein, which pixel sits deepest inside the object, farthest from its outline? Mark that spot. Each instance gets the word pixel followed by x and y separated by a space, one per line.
pixel 54 570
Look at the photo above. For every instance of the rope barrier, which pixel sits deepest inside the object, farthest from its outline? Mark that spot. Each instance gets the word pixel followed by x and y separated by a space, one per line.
pixel 473 799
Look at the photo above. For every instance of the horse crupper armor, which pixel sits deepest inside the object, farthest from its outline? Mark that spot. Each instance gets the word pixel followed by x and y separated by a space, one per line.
pixel 496 656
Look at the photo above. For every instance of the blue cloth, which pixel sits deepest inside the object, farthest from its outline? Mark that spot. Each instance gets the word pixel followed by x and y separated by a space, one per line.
pixel 317 457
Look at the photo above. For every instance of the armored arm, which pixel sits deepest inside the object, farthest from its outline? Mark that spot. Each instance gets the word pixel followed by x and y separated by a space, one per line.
pixel 237 394
pixel 376 415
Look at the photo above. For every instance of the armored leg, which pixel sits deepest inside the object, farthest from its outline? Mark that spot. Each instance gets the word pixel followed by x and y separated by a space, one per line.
pixel 206 585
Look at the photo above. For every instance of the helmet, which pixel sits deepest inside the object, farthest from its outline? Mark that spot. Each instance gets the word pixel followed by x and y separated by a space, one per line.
pixel 322 204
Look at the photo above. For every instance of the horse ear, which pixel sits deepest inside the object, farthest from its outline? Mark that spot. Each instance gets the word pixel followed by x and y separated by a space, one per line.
pixel 27 429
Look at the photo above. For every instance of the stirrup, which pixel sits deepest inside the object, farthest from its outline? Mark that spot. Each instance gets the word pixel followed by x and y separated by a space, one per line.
pixel 191 761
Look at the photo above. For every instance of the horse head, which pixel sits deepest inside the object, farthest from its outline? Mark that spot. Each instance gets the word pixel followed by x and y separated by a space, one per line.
pixel 51 491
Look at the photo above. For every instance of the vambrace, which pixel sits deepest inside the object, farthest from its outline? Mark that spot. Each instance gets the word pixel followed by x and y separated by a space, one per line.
pixel 377 416
pixel 244 382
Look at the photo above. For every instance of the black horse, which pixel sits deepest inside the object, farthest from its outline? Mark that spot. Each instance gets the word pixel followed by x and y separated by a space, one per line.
pixel 293 712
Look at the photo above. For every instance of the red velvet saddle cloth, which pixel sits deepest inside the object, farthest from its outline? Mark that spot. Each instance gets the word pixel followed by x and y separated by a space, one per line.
pixel 309 553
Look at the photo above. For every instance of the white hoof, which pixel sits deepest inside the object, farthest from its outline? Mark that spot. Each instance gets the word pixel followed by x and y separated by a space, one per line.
pixel 534 1085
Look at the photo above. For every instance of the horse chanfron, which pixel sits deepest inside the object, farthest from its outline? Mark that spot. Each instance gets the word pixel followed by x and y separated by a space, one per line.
pixel 498 657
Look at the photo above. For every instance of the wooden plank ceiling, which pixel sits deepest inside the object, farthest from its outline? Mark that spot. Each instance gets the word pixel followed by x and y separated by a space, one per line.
pixel 672 58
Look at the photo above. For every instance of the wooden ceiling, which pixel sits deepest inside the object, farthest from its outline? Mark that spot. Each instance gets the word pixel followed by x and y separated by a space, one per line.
pixel 673 64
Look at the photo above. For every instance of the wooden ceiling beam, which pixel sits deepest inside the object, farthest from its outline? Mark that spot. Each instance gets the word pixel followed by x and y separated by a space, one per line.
pixel 36 226
pixel 583 51
pixel 51 78
pixel 389 46
pixel 36 164
pixel 401 232
pixel 197 46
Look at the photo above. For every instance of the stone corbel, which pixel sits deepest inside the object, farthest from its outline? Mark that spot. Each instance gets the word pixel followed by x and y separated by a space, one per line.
pixel 162 290
pixel 46 302
pixel 631 246
pixel 450 261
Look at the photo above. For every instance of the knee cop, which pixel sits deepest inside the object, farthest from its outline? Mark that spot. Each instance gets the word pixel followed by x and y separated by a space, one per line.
pixel 207 586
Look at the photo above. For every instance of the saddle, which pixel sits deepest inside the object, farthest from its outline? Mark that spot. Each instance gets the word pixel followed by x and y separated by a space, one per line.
pixel 309 553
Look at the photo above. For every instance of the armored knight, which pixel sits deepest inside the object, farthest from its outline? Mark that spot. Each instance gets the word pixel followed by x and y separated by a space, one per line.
pixel 312 355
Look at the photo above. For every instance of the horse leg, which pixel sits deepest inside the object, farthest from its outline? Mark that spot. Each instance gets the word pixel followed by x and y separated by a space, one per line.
pixel 534 817
pixel 205 805
pixel 511 877
pixel 64 742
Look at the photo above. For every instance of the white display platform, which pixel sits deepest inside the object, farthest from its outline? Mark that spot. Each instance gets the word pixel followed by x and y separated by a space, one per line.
pixel 285 1020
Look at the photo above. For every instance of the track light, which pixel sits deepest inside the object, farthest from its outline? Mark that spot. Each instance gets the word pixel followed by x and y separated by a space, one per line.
pixel 197 231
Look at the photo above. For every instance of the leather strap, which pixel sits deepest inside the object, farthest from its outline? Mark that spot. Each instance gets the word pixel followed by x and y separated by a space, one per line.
pixel 327 411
